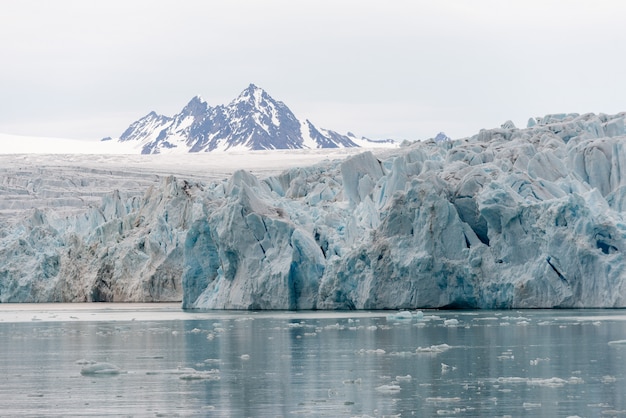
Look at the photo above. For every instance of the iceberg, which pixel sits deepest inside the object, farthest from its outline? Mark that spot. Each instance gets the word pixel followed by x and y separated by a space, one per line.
pixel 508 218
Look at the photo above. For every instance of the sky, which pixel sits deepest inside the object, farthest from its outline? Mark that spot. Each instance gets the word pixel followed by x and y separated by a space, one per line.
pixel 403 69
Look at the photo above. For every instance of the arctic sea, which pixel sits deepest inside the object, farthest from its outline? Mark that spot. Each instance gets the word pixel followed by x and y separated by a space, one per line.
pixel 156 360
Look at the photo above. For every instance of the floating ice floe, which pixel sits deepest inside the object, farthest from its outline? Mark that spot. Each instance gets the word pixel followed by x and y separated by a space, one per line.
pixel 378 351
pixel 445 368
pixel 608 379
pixel 400 316
pixel 388 388
pixel 451 322
pixel 512 379
pixel 506 355
pixel 101 369
pixel 536 361
pixel 436 349
pixel 442 399
pixel 553 382
pixel 450 412
pixel 201 375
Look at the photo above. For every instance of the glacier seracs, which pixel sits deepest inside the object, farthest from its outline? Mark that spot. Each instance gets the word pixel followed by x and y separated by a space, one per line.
pixel 507 218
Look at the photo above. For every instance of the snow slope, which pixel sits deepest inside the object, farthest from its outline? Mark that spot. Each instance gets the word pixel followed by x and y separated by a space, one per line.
pixel 508 218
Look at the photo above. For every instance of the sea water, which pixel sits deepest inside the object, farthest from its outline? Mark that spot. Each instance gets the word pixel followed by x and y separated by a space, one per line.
pixel 156 360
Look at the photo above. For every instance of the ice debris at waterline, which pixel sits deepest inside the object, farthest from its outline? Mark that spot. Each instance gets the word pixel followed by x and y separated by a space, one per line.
pixel 508 218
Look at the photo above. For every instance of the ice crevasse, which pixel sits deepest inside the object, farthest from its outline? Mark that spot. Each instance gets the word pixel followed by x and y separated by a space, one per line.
pixel 507 218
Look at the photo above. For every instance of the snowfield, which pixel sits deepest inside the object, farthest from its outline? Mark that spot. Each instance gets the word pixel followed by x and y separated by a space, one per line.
pixel 508 218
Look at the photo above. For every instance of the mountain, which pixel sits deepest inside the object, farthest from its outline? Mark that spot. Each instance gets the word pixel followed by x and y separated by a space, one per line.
pixel 442 137
pixel 253 121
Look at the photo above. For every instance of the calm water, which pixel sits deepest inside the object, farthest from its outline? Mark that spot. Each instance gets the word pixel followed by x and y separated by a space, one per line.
pixel 171 363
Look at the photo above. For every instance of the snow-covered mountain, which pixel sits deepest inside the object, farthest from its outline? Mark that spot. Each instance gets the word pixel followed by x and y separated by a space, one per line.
pixel 253 121
pixel 442 137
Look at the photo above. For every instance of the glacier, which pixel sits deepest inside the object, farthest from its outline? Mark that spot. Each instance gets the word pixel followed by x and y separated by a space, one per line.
pixel 507 218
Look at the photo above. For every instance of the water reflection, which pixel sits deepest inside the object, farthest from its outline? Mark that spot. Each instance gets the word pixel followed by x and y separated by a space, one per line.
pixel 537 363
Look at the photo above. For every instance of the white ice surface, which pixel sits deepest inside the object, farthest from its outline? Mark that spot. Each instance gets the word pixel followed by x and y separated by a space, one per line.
pixel 19 144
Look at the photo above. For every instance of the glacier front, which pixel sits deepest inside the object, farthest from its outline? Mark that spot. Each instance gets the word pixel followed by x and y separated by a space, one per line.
pixel 507 218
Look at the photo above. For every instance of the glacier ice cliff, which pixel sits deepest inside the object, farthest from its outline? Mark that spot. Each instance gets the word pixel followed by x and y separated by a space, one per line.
pixel 507 218
pixel 119 251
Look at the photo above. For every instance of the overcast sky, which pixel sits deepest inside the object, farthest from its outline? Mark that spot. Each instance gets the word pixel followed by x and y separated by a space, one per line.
pixel 399 69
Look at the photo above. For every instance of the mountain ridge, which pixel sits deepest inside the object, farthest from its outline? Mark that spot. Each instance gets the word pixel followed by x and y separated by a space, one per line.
pixel 252 121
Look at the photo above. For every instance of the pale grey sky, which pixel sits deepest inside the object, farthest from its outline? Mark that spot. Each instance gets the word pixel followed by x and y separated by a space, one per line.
pixel 399 68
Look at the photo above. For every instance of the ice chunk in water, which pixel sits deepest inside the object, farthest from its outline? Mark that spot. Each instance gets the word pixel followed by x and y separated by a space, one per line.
pixel 388 388
pixel 101 369
pixel 400 316
pixel 451 322
pixel 440 348
pixel 201 375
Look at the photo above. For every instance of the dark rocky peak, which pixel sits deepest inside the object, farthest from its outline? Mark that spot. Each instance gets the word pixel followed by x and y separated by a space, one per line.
pixel 195 107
